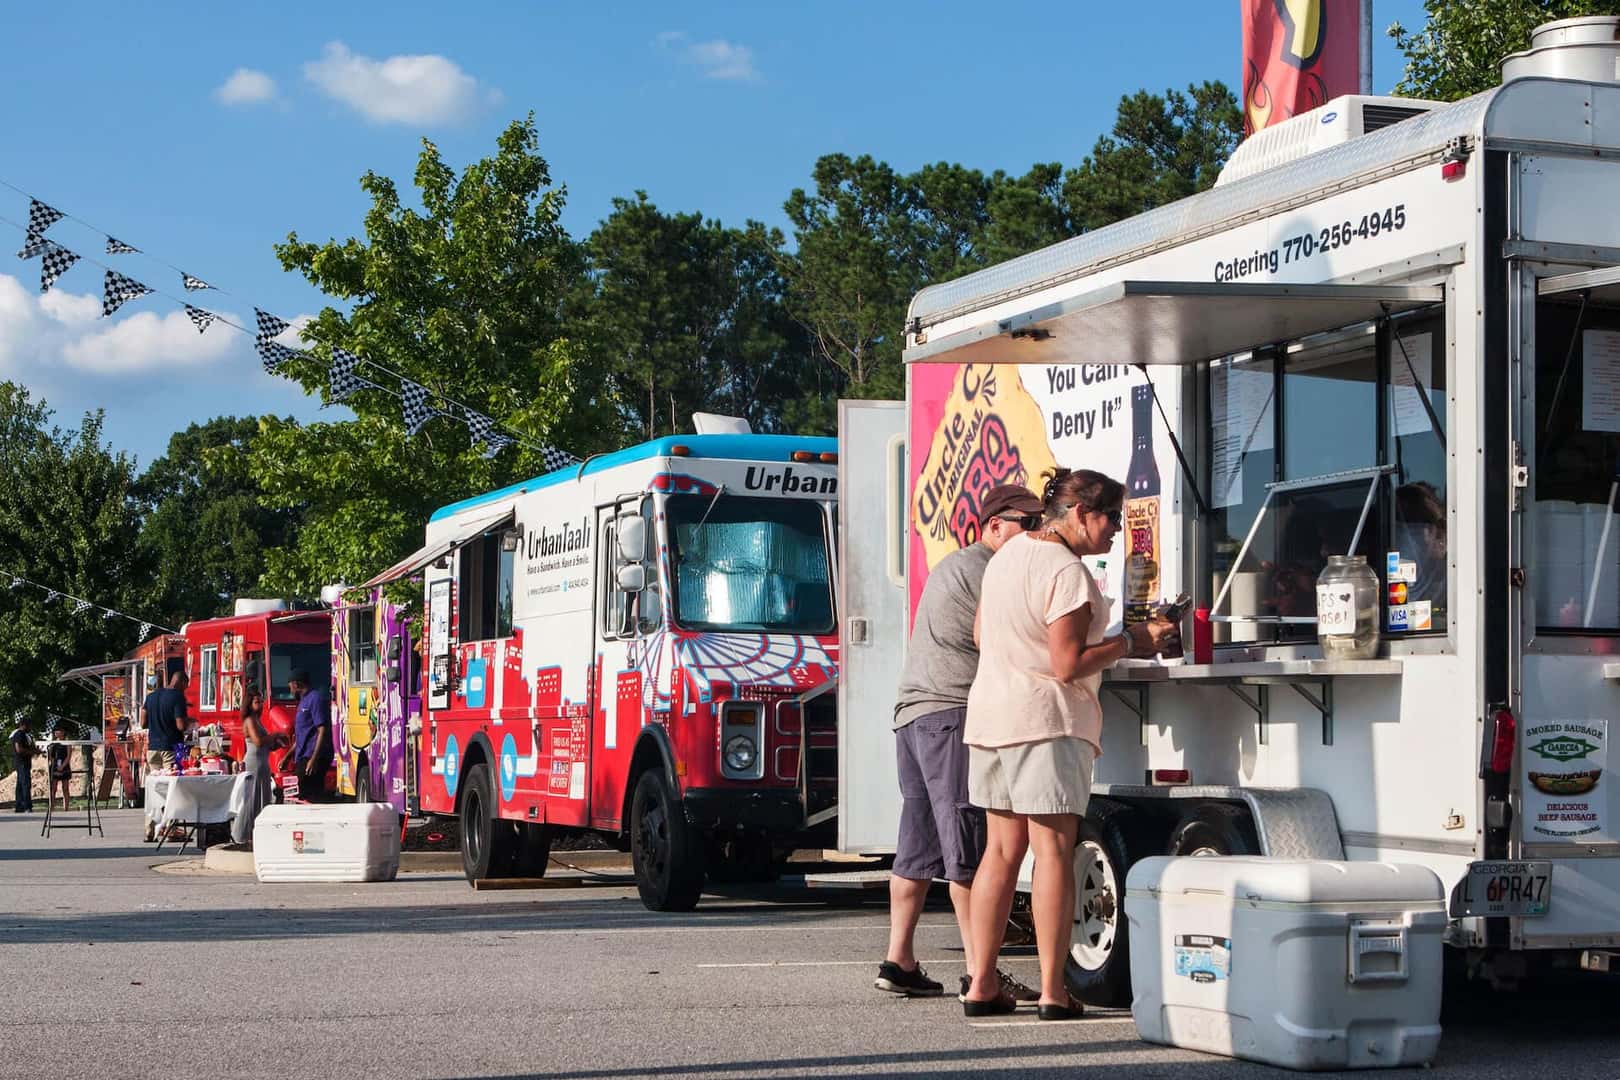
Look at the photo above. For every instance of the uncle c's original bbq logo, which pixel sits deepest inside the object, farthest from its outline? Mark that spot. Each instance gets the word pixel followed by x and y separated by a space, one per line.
pixel 990 433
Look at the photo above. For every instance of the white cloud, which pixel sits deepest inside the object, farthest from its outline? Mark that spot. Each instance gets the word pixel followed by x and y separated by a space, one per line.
pixel 146 342
pixel 246 87
pixel 718 59
pixel 424 89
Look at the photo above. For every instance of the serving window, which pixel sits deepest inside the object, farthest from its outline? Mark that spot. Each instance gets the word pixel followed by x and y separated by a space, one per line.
pixel 362 645
pixel 1321 441
pixel 485 588
pixel 1574 577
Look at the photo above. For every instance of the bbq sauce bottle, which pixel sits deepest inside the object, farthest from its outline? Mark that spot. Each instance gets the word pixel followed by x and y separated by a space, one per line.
pixel 1141 512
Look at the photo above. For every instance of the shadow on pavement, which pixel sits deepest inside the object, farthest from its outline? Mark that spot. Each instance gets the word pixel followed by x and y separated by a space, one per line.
pixel 909 1060
pixel 275 923
pixel 51 854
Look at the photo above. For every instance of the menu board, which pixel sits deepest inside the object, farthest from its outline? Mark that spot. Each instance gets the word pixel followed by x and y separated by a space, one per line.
pixel 1241 424
pixel 1600 381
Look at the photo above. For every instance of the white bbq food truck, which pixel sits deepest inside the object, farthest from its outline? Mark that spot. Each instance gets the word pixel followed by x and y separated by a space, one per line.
pixel 1399 339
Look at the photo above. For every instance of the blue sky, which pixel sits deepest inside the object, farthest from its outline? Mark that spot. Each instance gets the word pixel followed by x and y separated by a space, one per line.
pixel 203 135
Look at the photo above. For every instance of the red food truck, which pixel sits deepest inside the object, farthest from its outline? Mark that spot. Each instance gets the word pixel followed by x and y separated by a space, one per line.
pixel 262 644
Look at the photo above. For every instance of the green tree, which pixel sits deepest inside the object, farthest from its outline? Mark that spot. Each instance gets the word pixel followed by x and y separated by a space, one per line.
pixel 466 297
pixel 684 315
pixel 207 526
pixel 1162 148
pixel 69 521
pixel 1459 51
pixel 868 237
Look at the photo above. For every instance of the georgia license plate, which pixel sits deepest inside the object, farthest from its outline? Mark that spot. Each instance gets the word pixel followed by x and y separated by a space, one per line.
pixel 1503 888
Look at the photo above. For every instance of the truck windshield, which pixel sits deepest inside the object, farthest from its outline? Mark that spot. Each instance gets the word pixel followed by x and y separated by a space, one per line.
pixel 289 657
pixel 752 564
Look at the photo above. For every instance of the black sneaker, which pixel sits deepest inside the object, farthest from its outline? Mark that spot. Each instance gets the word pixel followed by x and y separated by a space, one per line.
pixel 914 983
pixel 1009 986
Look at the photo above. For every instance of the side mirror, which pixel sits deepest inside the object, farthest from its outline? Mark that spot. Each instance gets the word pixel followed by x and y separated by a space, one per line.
pixel 632 533
pixel 633 578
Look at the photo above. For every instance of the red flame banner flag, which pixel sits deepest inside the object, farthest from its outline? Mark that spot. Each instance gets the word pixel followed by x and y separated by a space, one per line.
pixel 1297 54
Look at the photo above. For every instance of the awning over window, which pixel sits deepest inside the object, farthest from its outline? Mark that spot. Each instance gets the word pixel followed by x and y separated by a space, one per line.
pixel 431 553
pixel 1602 285
pixel 1171 322
pixel 91 673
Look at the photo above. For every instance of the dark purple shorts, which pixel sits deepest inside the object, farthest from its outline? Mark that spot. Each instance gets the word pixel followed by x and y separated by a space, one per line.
pixel 941 834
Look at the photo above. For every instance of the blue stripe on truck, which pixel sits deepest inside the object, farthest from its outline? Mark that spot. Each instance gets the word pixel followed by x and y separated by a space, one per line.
pixel 766 448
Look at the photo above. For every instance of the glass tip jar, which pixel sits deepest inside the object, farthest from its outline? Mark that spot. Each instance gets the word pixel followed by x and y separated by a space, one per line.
pixel 1347 609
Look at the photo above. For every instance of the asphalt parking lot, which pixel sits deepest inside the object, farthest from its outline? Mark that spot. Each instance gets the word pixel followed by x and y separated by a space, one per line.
pixel 117 968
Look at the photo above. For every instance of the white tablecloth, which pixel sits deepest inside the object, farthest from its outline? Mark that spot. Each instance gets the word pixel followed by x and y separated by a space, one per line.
pixel 200 797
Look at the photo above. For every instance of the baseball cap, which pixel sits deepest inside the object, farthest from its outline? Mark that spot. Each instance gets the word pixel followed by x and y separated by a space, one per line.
pixel 1008 499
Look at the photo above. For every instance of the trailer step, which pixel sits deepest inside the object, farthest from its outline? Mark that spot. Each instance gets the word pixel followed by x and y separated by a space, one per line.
pixel 844 879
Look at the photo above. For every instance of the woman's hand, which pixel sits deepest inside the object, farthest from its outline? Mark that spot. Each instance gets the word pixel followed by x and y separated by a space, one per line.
pixel 1153 636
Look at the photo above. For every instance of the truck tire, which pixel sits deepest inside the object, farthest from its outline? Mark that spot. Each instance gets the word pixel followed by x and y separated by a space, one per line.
pixel 1215 829
pixel 530 848
pixel 362 783
pixel 1114 836
pixel 486 841
pixel 666 850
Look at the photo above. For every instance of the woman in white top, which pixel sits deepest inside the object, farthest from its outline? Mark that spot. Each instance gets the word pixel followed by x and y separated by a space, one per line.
pixel 1034 722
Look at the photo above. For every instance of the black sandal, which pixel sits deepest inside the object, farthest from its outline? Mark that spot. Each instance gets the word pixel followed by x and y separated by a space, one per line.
pixel 1000 1005
pixel 1073 1010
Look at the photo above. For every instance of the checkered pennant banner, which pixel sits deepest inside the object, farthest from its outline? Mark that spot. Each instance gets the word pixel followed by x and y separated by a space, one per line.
pixel 269 325
pixel 479 426
pixel 118 291
pixel 417 411
pixel 57 261
pixel 50 596
pixel 146 628
pixel 16 583
pixel 495 442
pixel 108 613
pixel 193 284
pixel 41 217
pixel 81 606
pixel 118 247
pixel 200 318
pixel 555 459
pixel 274 354
pixel 341 379
pixel 34 246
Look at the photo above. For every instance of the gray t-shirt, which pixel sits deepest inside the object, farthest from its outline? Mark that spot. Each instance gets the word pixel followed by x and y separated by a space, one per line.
pixel 941 658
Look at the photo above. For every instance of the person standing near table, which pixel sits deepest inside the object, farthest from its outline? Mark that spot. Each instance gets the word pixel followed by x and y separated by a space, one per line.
pixel 165 714
pixel 312 736
pixel 1034 723
pixel 256 763
pixel 941 835
pixel 58 768
pixel 22 755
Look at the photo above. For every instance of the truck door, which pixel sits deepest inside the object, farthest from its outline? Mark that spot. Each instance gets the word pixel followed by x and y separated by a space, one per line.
pixel 872 537
pixel 626 625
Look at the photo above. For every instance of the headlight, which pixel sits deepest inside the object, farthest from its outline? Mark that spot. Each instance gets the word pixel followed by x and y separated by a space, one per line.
pixel 740 753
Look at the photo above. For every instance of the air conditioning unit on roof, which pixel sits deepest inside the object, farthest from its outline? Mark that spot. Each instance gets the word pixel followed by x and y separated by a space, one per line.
pixel 1339 121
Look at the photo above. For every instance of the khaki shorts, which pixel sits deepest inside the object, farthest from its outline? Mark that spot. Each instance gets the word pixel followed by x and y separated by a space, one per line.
pixel 1052 776
pixel 158 760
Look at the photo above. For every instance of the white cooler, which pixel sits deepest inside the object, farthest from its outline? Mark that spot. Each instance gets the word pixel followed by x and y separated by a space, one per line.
pixel 1300 963
pixel 338 842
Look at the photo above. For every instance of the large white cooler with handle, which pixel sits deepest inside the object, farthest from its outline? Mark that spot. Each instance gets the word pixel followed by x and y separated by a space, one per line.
pixel 1301 963
pixel 338 842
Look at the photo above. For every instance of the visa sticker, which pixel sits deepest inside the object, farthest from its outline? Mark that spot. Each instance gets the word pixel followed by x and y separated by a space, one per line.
pixel 1399 618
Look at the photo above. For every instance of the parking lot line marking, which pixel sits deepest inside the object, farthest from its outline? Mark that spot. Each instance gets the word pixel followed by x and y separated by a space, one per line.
pixel 817 963
pixel 730 929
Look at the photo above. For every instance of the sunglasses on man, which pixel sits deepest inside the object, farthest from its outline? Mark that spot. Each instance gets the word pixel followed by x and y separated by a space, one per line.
pixel 1027 522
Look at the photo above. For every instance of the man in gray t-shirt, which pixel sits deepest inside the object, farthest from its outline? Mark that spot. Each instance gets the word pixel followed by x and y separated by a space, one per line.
pixel 941 835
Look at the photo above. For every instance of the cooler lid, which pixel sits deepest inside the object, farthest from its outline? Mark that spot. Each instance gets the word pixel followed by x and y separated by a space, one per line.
pixel 1284 881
